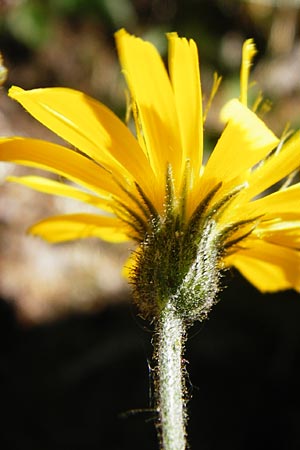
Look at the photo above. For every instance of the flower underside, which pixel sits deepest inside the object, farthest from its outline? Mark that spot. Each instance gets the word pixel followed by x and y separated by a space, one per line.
pixel 180 256
pixel 189 221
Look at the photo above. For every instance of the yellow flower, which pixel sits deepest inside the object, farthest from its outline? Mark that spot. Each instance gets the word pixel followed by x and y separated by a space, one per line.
pixel 154 183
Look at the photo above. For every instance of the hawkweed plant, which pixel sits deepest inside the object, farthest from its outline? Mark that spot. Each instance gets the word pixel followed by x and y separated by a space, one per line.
pixel 190 221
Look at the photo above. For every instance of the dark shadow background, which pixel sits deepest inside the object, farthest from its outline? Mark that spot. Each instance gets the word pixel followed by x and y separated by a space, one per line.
pixel 79 379
pixel 83 381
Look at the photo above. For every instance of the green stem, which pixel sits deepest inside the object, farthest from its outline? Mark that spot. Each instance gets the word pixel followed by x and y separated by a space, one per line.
pixel 170 380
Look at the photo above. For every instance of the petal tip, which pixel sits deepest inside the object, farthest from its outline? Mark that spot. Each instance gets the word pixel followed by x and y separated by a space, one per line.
pixel 14 91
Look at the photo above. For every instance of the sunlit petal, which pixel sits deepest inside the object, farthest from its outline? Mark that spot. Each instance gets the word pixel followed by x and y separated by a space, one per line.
pixel 151 90
pixel 244 142
pixel 269 267
pixel 59 160
pixel 277 204
pixel 89 126
pixel 275 168
pixel 286 234
pixel 69 227
pixel 248 53
pixel 53 187
pixel 286 200
pixel 185 78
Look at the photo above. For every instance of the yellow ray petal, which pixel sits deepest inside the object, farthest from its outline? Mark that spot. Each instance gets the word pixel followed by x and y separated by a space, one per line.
pixel 248 53
pixel 185 78
pixel 290 224
pixel 275 168
pixel 285 238
pixel 53 187
pixel 250 138
pixel 59 160
pixel 273 205
pixel 151 90
pixel 285 200
pixel 267 266
pixel 244 142
pixel 69 227
pixel 286 234
pixel 264 276
pixel 89 126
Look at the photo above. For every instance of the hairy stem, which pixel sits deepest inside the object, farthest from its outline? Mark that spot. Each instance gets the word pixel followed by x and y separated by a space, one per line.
pixel 170 380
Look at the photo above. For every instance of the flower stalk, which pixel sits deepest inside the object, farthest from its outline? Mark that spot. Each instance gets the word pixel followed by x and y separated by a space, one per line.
pixel 170 385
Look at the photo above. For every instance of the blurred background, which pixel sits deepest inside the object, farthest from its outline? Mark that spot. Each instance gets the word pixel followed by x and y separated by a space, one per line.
pixel 74 355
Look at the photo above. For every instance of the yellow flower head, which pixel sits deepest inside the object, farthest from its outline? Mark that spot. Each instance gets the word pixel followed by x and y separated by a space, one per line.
pixel 188 220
